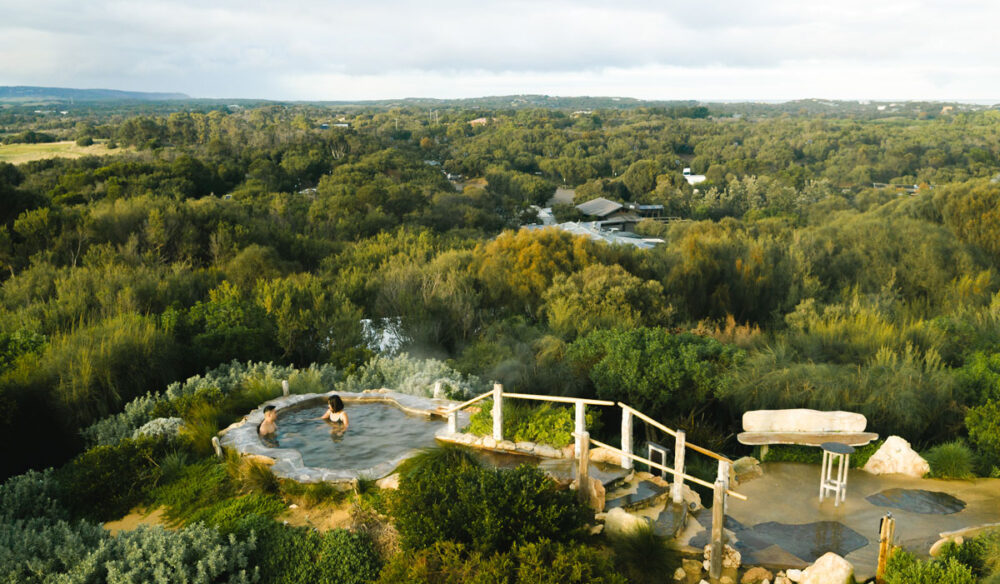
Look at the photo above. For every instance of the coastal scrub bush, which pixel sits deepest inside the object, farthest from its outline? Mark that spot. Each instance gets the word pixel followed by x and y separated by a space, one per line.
pixel 544 424
pixel 196 554
pixel 162 428
pixel 951 460
pixel 643 555
pixel 904 568
pixel 299 555
pixel 487 509
pixel 412 376
pixel 980 553
pixel 543 562
pixel 32 495
pixel 198 487
pixel 105 482
pixel 983 423
pixel 39 550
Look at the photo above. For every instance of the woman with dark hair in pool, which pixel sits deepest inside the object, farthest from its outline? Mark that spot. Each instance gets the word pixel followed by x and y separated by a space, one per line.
pixel 335 411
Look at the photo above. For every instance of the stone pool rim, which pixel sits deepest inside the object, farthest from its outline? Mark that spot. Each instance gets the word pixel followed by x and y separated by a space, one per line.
pixel 243 438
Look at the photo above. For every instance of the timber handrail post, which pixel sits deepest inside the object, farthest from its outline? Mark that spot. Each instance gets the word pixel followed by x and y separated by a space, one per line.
pixel 677 490
pixel 497 412
pixel 453 422
pixel 583 467
pixel 284 388
pixel 581 427
pixel 718 517
pixel 627 438
pixel 887 532
pixel 723 474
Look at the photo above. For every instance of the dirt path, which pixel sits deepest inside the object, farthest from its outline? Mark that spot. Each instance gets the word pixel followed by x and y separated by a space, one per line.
pixel 135 518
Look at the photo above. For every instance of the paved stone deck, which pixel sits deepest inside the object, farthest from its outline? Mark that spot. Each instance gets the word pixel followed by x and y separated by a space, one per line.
pixel 788 494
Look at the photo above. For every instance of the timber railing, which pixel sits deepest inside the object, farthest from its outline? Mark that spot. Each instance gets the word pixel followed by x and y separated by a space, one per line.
pixel 583 440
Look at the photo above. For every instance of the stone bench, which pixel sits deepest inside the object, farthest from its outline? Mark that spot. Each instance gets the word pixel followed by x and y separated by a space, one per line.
pixel 803 427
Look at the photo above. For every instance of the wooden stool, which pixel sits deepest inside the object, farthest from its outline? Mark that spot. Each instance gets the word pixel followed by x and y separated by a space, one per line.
pixel 838 484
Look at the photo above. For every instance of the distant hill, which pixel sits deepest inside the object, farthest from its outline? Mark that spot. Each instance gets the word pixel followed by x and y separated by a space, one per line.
pixel 26 93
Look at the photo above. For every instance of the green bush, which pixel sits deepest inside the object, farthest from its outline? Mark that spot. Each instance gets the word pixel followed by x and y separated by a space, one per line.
pixel 904 568
pixel 487 509
pixel 413 376
pixel 105 482
pixel 195 554
pixel 37 550
pixel 644 556
pixel 299 555
pixel 32 495
pixel 983 423
pixel 980 553
pixel 543 562
pixel 814 455
pixel 544 424
pixel 198 487
pixel 952 460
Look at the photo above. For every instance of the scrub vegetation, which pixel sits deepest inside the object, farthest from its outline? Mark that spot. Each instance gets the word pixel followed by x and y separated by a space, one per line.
pixel 154 293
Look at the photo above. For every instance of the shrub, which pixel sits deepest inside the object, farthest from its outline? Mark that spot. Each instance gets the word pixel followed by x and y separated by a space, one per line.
pixel 531 563
pixel 195 554
pixel 544 424
pixel 980 553
pixel 487 509
pixel 644 556
pixel 226 515
pixel 413 376
pixel 162 428
pixel 299 555
pixel 105 482
pixel 904 568
pixel 37 550
pixel 952 460
pixel 983 423
pixel 814 455
pixel 30 495
pixel 199 486
pixel 310 494
pixel 113 428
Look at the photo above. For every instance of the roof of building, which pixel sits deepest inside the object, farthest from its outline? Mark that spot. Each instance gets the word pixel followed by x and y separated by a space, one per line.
pixel 592 229
pixel 598 207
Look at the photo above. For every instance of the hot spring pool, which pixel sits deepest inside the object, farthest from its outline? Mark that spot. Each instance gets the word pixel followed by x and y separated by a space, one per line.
pixel 378 432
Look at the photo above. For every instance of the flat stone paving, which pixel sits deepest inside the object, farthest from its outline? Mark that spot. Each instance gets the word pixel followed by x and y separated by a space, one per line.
pixel 783 523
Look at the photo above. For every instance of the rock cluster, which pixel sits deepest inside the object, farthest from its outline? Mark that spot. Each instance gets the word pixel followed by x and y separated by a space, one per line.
pixel 828 569
pixel 746 469
pixel 730 557
pixel 896 456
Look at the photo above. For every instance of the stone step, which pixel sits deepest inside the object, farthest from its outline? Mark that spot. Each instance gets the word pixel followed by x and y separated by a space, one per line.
pixel 672 520
pixel 564 469
pixel 643 494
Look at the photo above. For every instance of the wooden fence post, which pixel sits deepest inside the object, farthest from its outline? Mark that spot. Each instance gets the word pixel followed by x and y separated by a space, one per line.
pixel 284 387
pixel 437 390
pixel 583 467
pixel 723 475
pixel 497 412
pixel 627 438
pixel 887 532
pixel 718 518
pixel 581 424
pixel 678 487
pixel 453 422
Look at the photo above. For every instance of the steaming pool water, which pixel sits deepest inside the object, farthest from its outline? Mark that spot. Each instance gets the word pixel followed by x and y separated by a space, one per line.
pixel 378 432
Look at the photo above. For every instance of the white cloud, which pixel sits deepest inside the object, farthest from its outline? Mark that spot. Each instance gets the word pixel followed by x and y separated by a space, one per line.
pixel 313 49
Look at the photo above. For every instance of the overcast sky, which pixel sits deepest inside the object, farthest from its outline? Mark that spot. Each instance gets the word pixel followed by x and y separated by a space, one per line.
pixel 333 50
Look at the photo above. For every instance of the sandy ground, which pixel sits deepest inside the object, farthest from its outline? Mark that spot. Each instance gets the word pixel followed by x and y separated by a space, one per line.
pixel 135 518
pixel 563 195
pixel 321 517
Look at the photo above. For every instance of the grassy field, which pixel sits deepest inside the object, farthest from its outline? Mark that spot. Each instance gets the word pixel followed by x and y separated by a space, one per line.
pixel 20 153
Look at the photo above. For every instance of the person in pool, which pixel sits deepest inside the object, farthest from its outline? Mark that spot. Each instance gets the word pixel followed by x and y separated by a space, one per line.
pixel 268 427
pixel 335 411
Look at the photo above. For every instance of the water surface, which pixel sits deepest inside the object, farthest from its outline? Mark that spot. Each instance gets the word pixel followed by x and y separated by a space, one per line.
pixel 377 433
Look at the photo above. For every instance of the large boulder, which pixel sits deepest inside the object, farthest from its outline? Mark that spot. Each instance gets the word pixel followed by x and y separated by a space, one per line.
pixel 605 455
pixel 746 469
pixel 829 569
pixel 896 456
pixel 618 521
